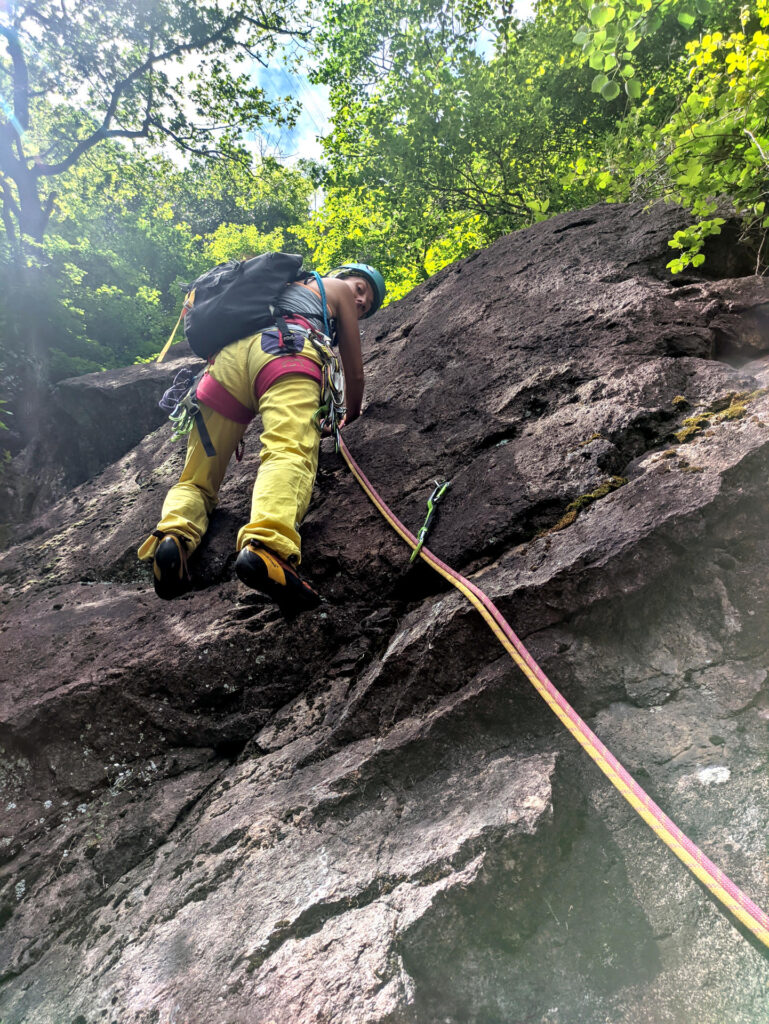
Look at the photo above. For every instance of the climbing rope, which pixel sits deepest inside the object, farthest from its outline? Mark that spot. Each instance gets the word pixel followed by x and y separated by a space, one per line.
pixel 732 897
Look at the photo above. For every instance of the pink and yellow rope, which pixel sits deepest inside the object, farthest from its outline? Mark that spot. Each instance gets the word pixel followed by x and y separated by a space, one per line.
pixel 722 887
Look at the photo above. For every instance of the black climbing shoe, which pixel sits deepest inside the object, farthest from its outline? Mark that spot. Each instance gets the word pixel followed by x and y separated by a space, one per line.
pixel 169 569
pixel 265 571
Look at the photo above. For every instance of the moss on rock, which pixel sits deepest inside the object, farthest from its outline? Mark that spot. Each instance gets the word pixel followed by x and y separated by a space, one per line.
pixel 732 406
pixel 583 501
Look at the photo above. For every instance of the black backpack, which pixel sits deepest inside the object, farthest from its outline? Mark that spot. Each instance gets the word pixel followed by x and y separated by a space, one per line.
pixel 234 300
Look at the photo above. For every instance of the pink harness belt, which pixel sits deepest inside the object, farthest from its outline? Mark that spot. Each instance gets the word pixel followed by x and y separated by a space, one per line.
pixel 216 396
pixel 280 367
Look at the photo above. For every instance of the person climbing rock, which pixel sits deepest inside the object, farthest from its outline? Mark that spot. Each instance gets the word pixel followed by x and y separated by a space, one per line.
pixel 278 376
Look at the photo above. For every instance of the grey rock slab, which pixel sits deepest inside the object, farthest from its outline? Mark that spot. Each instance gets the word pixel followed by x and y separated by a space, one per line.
pixel 465 879
pixel 324 866
pixel 88 423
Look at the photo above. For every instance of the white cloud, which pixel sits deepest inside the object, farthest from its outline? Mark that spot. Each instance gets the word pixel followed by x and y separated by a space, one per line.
pixel 279 81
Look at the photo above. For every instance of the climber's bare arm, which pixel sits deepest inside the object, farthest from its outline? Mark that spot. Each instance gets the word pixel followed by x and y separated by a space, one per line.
pixel 343 306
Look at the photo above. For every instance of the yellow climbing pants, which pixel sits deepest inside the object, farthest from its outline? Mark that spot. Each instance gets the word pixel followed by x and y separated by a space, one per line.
pixel 288 460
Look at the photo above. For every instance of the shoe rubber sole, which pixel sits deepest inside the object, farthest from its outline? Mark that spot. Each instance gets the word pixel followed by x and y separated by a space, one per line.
pixel 169 568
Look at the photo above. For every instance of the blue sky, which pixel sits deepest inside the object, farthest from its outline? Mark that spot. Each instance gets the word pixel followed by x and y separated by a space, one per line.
pixel 278 80
pixel 302 141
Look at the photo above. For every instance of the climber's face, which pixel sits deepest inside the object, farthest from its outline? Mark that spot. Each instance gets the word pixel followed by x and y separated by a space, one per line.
pixel 362 293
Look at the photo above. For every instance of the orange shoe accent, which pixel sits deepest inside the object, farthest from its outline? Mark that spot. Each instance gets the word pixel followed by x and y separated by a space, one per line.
pixel 263 570
pixel 274 568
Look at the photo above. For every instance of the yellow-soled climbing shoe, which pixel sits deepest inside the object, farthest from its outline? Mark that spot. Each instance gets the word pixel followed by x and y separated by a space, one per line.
pixel 169 568
pixel 265 571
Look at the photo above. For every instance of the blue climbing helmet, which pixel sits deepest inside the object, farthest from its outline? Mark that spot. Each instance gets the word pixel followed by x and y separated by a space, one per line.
pixel 370 274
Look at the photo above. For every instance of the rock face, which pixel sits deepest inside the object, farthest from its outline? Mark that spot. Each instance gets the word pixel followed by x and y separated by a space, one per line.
pixel 212 814
pixel 87 423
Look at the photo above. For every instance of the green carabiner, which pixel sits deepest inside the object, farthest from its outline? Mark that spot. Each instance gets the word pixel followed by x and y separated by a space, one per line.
pixel 432 502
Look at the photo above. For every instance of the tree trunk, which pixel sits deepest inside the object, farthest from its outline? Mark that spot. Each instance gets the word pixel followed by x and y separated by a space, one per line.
pixel 34 215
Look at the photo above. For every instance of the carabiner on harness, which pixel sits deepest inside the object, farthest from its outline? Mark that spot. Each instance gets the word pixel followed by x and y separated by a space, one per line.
pixel 331 411
pixel 432 502
pixel 185 413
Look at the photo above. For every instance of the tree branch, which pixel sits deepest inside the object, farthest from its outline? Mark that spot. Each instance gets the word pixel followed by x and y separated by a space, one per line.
pixel 8 211
pixel 756 143
pixel 152 60
pixel 20 79
pixel 182 143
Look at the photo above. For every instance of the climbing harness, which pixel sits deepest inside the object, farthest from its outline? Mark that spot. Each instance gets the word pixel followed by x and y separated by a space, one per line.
pixel 722 887
pixel 432 501
pixel 331 410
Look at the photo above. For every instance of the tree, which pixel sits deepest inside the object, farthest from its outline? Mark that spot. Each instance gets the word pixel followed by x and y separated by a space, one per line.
pixel 699 135
pixel 168 71
pixel 463 121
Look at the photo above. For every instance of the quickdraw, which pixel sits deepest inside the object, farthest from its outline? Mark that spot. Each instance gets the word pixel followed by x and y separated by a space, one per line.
pixel 185 410
pixel 183 416
pixel 432 502
pixel 722 887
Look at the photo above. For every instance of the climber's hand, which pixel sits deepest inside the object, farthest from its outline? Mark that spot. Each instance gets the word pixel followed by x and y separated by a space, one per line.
pixel 347 418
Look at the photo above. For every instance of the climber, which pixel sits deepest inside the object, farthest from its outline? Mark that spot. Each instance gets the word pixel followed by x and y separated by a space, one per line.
pixel 254 375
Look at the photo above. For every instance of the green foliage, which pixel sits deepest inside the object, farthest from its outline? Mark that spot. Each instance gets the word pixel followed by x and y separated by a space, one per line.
pixel 610 38
pixel 453 122
pixel 128 232
pixel 166 71
pixel 690 241
pixel 456 123
pixel 358 223
pixel 711 151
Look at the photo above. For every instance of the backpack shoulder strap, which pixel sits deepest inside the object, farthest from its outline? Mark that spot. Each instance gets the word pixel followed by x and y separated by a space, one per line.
pixel 322 290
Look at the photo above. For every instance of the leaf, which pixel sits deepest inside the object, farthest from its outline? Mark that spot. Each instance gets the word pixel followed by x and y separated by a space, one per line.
pixel 609 62
pixel 596 61
pixel 698 260
pixel 601 14
pixel 686 19
pixel 610 91
pixel 599 82
pixel 633 88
